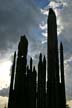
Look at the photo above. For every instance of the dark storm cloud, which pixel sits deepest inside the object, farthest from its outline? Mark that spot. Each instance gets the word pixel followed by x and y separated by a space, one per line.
pixel 4 92
pixel 18 17
pixel 68 78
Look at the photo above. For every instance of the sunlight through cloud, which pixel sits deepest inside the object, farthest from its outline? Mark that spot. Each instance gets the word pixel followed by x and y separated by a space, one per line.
pixel 4 73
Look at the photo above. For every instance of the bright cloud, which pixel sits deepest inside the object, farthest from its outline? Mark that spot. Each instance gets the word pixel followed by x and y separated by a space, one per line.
pixel 70 103
pixel 5 68
pixel 58 7
pixel 3 101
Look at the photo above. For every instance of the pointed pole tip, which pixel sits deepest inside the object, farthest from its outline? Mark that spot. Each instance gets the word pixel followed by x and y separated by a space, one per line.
pixel 15 53
pixel 44 58
pixel 61 45
pixel 34 68
pixel 31 59
pixel 24 37
pixel 51 11
pixel 40 56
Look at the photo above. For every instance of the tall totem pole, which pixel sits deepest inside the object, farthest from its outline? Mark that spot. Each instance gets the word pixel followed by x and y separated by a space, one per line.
pixel 20 80
pixel 11 91
pixel 62 90
pixel 53 62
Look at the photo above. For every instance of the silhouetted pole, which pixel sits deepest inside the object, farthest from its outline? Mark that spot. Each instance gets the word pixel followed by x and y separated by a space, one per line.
pixel 21 78
pixel 53 62
pixel 39 99
pixel 52 52
pixel 44 82
pixel 11 93
pixel 30 85
pixel 34 88
pixel 31 64
pixel 44 74
pixel 63 97
pixel 28 88
pixel 41 82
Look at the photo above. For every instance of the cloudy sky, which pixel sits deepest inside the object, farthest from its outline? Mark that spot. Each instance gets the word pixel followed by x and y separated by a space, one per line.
pixel 19 17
